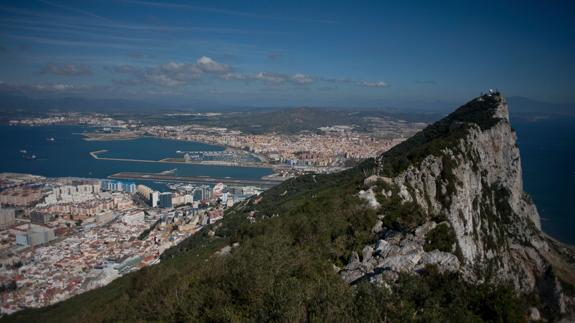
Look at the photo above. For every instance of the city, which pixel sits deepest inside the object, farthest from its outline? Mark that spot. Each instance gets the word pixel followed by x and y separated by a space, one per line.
pixel 63 236
pixel 327 149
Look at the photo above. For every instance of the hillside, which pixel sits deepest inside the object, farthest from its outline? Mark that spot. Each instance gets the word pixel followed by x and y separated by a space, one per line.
pixel 284 121
pixel 438 229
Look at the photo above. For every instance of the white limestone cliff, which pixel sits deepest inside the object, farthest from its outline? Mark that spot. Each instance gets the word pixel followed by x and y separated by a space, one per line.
pixel 476 185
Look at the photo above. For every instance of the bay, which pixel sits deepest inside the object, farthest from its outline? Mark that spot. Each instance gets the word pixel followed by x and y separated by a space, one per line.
pixel 69 155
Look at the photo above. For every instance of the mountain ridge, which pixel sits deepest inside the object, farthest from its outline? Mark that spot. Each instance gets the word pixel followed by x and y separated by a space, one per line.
pixel 436 229
pixel 470 177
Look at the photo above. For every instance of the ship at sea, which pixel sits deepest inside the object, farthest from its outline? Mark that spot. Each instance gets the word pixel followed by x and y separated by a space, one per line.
pixel 28 156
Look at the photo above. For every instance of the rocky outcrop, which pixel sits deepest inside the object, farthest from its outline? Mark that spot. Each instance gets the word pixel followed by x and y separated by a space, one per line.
pixel 477 184
pixel 369 196
pixel 397 253
pixel 469 175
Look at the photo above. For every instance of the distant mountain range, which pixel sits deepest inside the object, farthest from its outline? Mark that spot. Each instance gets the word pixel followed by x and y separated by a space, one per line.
pixel 524 105
pixel 16 102
pixel 10 103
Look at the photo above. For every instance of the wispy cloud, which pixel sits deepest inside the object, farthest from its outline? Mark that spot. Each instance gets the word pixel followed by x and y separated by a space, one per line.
pixel 176 74
pixel 67 70
pixel 95 31
pixel 172 74
pixel 61 42
pixel 173 5
pixel 379 84
pixel 79 11
pixel 369 84
pixel 69 34
pixel 208 65
pixel 300 78
pixel 45 87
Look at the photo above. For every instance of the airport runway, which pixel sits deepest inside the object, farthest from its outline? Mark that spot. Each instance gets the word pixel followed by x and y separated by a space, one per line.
pixel 193 179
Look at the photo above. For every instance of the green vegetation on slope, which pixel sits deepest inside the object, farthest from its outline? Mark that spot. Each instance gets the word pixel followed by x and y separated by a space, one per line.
pixel 282 270
pixel 284 121
pixel 443 134
pixel 442 238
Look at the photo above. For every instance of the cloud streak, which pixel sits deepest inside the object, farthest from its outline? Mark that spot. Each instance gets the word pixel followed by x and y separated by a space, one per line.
pixel 46 87
pixel 171 5
pixel 379 84
pixel 176 74
pixel 67 70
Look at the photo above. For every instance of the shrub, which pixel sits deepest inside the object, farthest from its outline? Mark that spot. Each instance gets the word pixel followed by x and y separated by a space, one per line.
pixel 441 238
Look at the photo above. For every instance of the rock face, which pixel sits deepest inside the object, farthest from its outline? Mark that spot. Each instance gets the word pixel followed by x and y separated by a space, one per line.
pixel 495 223
pixel 469 174
pixel 397 253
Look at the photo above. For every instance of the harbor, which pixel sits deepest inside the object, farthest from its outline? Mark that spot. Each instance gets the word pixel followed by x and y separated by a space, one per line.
pixel 71 155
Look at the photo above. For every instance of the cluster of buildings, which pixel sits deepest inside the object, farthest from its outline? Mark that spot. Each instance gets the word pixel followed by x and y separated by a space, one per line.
pixel 73 118
pixel 57 246
pixel 196 196
pixel 332 146
pixel 91 258
pixel 161 199
pixel 20 196
pixel 85 199
pixel 117 186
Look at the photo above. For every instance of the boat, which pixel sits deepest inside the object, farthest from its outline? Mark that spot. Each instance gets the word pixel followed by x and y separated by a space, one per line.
pixel 23 151
pixel 51 139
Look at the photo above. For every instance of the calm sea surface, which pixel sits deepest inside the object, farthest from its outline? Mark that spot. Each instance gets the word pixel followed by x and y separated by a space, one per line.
pixel 68 155
pixel 548 156
pixel 547 150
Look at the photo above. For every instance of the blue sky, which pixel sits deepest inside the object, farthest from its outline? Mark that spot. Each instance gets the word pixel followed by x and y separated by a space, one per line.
pixel 285 53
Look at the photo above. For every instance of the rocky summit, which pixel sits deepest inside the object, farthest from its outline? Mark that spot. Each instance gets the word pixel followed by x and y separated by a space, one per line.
pixel 464 177
pixel 438 229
